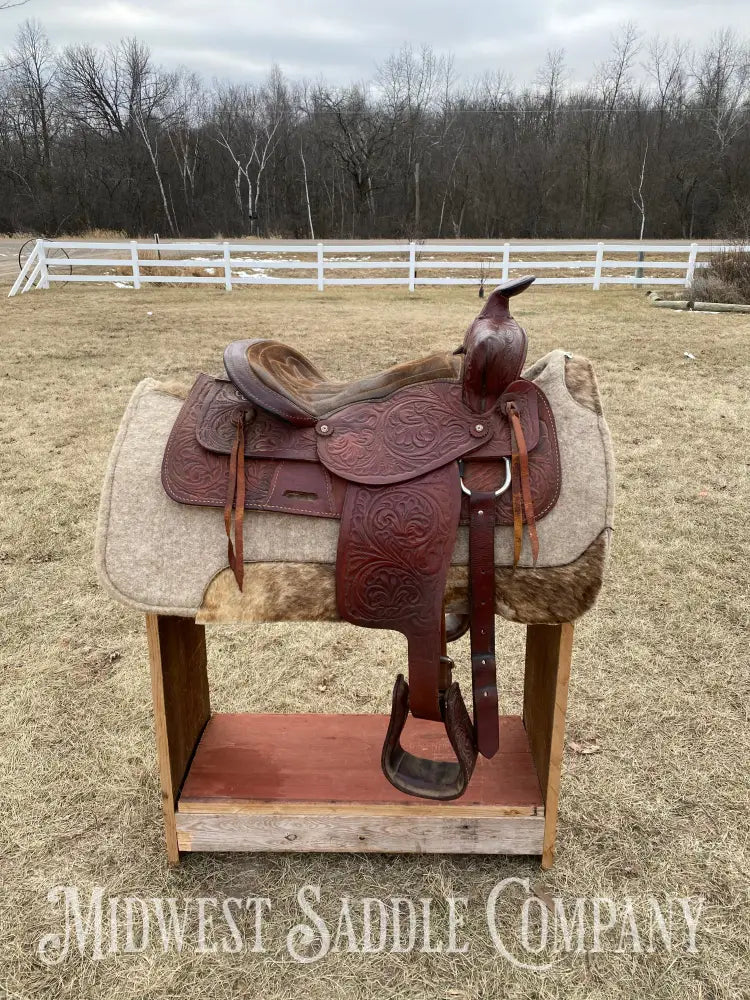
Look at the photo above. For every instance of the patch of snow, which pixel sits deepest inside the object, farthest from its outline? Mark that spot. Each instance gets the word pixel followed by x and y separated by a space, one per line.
pixel 122 284
pixel 258 275
pixel 283 259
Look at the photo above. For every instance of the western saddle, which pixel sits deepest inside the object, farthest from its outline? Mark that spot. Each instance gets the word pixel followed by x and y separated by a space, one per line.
pixel 401 458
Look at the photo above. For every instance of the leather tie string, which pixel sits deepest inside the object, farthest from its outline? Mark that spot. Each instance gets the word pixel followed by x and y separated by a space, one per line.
pixel 521 488
pixel 236 499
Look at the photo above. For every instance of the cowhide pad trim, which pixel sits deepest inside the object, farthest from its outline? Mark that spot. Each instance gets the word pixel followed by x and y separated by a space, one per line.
pixel 276 592
pixel 273 592
pixel 541 596
pixel 581 383
pixel 173 387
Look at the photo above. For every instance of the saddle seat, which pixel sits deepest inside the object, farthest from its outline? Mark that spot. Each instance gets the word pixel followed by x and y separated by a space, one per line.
pixel 278 378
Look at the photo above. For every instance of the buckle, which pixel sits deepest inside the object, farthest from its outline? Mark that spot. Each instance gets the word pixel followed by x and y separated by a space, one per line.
pixel 465 489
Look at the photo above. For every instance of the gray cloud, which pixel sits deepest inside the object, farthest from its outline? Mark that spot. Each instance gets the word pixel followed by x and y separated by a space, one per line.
pixel 342 41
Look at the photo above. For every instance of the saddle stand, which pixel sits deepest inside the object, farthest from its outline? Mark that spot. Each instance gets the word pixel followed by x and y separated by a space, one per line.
pixel 250 782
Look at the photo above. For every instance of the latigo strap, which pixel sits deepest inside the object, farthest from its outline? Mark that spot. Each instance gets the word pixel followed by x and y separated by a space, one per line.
pixel 482 625
pixel 521 488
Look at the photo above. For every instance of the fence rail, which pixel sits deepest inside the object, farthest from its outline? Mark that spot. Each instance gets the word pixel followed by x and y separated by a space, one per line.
pixel 230 264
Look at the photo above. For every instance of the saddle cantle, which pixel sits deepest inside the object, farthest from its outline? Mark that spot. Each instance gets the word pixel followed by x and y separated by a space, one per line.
pixel 400 458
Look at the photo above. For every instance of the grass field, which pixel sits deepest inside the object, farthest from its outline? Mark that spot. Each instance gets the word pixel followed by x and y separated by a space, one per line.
pixel 660 688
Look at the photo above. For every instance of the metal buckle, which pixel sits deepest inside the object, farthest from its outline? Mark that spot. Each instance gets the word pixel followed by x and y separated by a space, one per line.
pixel 502 489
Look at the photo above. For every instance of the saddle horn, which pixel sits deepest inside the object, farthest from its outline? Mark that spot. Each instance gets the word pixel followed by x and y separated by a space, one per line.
pixel 494 348
pixel 497 305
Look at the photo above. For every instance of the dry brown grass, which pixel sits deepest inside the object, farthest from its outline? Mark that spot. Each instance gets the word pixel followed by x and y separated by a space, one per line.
pixel 726 279
pixel 97 233
pixel 660 667
pixel 167 253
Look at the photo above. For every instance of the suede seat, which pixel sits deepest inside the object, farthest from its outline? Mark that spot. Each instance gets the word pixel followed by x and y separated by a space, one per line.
pixel 285 381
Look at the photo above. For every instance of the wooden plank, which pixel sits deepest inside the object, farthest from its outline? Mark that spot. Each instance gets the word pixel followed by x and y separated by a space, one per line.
pixel 549 650
pixel 317 759
pixel 228 807
pixel 397 834
pixel 557 743
pixel 179 686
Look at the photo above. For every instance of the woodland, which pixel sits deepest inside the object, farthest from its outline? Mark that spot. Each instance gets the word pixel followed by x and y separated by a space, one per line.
pixel 655 144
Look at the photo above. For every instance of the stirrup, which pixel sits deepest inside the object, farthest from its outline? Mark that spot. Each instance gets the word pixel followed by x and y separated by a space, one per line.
pixel 430 779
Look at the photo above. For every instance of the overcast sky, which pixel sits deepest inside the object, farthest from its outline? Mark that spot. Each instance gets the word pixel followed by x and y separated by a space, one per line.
pixel 343 40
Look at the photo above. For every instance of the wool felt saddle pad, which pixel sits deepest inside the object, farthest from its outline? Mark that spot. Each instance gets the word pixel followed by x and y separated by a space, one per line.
pixel 159 556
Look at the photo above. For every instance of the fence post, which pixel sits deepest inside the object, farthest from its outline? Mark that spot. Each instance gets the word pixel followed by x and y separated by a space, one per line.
pixel 639 270
pixel 321 271
pixel 412 264
pixel 227 267
pixel 43 270
pixel 32 262
pixel 134 263
pixel 506 261
pixel 598 266
pixel 690 273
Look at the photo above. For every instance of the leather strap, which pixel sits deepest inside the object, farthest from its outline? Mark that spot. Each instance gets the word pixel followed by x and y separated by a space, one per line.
pixel 482 622
pixel 431 779
pixel 521 488
pixel 395 544
pixel 236 499
pixel 394 550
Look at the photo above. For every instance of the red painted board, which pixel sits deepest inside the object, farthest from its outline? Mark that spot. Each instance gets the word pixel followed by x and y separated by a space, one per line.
pixel 336 759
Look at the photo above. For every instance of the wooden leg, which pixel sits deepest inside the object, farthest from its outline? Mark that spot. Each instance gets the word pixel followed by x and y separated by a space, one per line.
pixel 548 653
pixel 179 685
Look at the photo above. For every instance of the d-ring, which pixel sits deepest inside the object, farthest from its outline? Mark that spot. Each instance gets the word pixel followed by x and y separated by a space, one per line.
pixel 502 489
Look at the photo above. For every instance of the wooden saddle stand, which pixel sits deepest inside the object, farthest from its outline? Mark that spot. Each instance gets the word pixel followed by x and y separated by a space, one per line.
pixel 400 459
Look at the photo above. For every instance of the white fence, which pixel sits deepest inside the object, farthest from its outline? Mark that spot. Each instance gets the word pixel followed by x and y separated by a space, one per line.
pixel 135 263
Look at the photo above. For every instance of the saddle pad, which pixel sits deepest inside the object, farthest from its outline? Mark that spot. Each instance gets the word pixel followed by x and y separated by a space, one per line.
pixel 156 555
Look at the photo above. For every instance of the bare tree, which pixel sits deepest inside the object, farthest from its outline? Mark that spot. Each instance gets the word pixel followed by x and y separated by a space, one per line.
pixel 637 194
pixel 360 136
pixel 120 92
pixel 247 127
pixel 186 136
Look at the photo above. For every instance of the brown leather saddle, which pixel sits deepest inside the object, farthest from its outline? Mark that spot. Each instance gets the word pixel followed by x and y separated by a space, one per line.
pixel 401 458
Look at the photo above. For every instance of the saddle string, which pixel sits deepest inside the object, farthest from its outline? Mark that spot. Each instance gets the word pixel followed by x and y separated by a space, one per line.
pixel 236 501
pixel 521 488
